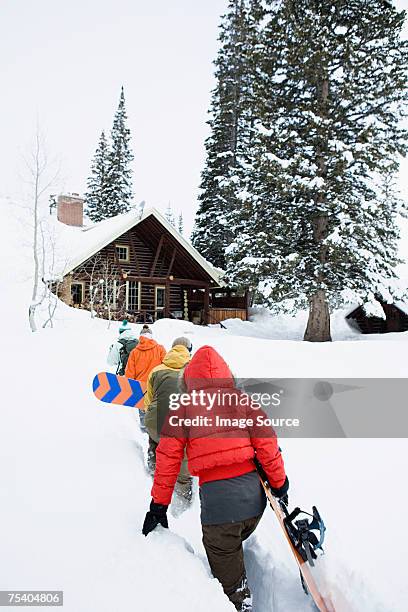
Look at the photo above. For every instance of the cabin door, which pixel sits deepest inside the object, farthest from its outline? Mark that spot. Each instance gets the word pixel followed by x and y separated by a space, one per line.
pixel 159 301
pixel 77 293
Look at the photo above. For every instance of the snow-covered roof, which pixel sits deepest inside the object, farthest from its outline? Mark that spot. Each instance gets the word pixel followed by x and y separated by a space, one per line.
pixel 79 244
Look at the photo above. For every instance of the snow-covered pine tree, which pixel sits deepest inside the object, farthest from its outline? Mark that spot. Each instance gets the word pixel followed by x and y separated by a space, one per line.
pixel 330 93
pixel 181 224
pixel 169 214
pixel 120 159
pixel 230 125
pixel 96 196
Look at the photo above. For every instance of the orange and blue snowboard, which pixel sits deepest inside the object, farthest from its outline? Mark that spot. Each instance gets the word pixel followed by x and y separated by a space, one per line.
pixel 114 389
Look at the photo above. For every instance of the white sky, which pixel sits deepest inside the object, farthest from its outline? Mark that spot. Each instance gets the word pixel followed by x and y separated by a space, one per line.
pixel 64 62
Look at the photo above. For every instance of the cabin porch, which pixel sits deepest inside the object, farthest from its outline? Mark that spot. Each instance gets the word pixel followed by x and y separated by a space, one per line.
pixel 147 299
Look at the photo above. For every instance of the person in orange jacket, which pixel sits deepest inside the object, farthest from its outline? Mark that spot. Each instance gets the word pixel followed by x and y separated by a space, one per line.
pixel 145 356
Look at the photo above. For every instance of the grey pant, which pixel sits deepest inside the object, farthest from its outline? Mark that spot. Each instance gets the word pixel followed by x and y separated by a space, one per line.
pixel 142 421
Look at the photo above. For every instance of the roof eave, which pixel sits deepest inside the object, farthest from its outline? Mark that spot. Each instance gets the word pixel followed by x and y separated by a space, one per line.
pixel 207 267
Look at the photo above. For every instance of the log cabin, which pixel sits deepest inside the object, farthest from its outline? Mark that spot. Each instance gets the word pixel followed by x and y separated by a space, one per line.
pixel 138 266
pixel 394 319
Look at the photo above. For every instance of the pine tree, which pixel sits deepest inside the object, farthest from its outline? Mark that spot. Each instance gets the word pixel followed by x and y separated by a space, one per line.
pixel 120 159
pixel 169 214
pixel 96 197
pixel 331 89
pixel 230 124
pixel 52 203
pixel 181 224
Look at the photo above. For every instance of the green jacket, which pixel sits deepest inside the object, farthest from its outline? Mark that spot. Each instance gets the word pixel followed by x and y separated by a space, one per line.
pixel 162 382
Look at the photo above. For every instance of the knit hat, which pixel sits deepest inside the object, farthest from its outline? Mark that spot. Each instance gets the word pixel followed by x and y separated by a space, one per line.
pixel 123 326
pixel 146 331
pixel 183 341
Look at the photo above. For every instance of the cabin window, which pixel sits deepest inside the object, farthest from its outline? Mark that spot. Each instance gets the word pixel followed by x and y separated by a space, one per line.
pixel 122 252
pixel 160 298
pixel 132 296
pixel 77 293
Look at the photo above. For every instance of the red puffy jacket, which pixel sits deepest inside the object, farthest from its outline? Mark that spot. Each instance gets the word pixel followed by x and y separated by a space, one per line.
pixel 214 456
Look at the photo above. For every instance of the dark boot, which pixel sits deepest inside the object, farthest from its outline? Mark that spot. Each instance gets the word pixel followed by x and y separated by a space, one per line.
pixel 241 597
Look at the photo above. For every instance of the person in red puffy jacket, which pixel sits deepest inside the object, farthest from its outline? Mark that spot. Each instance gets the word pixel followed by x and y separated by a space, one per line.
pixel 222 456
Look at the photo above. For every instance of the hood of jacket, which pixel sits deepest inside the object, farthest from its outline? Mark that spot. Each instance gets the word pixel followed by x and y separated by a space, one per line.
pixel 208 369
pixel 177 357
pixel 146 343
pixel 128 334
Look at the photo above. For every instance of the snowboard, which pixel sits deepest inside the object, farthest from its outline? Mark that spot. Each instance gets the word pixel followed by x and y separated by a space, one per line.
pixel 114 389
pixel 302 550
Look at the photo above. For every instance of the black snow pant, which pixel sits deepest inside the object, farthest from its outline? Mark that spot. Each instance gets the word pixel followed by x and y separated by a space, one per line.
pixel 223 545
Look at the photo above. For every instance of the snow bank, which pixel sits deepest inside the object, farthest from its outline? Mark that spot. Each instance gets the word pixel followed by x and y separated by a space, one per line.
pixel 74 491
pixel 264 324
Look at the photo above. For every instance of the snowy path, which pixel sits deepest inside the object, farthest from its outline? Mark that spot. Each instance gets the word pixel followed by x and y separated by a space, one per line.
pixel 274 588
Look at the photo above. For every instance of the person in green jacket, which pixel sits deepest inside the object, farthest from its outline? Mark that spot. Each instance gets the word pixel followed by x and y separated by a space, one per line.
pixel 161 383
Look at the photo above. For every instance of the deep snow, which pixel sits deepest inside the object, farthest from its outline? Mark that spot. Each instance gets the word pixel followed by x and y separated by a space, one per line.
pixel 73 489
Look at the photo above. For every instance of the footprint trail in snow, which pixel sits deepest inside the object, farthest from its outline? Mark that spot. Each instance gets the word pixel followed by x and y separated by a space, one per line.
pixel 273 587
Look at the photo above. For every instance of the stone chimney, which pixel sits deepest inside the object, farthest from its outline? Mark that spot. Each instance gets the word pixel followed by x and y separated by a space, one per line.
pixel 70 209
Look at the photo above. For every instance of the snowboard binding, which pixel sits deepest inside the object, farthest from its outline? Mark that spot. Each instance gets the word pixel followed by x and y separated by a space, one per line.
pixel 302 532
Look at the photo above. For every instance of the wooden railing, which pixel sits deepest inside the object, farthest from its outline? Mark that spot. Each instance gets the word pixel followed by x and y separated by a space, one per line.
pixel 216 315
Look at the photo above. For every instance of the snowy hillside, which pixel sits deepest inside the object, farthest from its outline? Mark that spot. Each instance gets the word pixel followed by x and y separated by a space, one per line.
pixel 74 491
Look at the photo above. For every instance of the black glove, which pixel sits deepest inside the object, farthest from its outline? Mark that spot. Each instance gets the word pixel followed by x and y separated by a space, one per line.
pixel 156 515
pixel 282 492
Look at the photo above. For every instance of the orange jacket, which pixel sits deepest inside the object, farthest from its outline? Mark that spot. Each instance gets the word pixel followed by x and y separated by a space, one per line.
pixel 145 356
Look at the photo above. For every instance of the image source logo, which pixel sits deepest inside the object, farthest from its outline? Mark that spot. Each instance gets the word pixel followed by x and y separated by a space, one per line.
pixel 222 412
pixel 331 408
